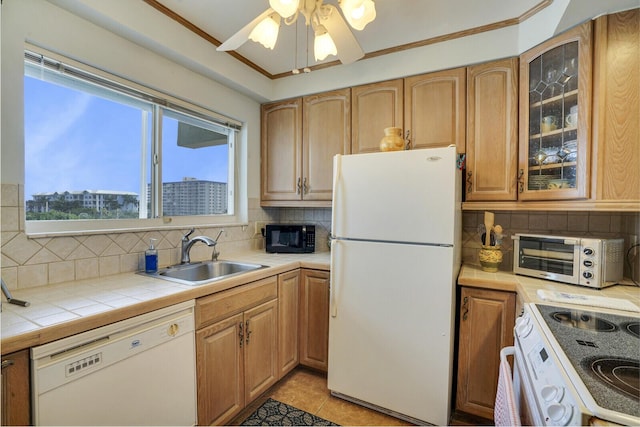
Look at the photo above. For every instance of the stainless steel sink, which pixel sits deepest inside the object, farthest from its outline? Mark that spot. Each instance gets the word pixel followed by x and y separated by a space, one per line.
pixel 205 272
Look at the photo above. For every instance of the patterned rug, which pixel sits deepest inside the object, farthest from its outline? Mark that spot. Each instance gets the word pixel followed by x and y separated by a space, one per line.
pixel 274 413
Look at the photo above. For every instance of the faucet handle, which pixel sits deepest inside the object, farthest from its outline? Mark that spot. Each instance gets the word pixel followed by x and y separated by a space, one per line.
pixel 186 236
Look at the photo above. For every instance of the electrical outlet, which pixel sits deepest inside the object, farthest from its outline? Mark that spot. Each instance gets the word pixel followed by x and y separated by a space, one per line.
pixel 259 226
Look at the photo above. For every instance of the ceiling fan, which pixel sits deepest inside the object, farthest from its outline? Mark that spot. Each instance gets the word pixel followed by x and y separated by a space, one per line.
pixel 332 34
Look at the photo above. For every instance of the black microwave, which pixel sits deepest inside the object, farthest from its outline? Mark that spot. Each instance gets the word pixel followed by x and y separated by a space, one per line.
pixel 290 238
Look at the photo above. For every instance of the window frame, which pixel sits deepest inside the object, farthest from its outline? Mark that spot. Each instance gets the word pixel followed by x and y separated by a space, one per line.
pixel 237 196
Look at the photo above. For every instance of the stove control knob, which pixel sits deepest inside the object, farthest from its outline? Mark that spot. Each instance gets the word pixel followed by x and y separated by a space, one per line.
pixel 588 251
pixel 524 327
pixel 551 393
pixel 560 414
pixel 588 275
pixel 587 263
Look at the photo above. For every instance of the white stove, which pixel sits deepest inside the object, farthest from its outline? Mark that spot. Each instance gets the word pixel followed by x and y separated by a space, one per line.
pixel 575 363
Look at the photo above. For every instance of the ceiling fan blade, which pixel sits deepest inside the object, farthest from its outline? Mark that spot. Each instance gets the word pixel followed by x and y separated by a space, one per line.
pixel 349 49
pixel 239 38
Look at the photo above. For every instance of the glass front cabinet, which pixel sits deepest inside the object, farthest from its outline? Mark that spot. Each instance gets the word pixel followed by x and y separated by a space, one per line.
pixel 555 120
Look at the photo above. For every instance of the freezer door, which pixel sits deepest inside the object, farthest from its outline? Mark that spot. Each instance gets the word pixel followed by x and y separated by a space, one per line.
pixel 391 326
pixel 407 196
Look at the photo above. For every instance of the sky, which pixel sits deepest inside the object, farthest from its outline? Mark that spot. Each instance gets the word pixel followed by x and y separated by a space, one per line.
pixel 77 141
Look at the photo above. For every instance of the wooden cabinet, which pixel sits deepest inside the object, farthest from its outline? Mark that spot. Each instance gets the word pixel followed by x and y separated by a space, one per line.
pixel 281 150
pixel 236 349
pixel 492 131
pixel 326 131
pixel 555 117
pixel 314 319
pixel 375 106
pixel 288 307
pixel 434 106
pixel 299 139
pixel 616 110
pixel 16 397
pixel 486 320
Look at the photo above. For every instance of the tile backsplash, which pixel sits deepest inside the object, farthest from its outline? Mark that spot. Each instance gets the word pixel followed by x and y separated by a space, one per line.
pixel 30 262
pixel 600 224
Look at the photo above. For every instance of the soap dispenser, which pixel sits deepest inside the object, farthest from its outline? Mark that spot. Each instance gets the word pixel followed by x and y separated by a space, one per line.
pixel 151 258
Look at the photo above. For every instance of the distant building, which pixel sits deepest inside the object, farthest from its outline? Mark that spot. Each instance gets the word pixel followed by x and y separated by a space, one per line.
pixel 96 200
pixel 193 196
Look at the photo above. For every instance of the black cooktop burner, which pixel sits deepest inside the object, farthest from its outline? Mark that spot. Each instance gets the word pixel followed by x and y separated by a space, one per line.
pixel 604 349
pixel 620 373
pixel 633 328
pixel 584 320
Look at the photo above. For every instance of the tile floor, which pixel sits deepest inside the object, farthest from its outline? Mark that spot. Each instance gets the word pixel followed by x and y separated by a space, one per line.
pixel 307 390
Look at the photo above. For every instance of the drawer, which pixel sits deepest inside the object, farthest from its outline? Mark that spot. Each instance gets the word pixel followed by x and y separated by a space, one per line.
pixel 221 305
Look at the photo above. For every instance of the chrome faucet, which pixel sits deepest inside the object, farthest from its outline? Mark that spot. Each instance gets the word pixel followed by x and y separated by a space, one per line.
pixel 187 244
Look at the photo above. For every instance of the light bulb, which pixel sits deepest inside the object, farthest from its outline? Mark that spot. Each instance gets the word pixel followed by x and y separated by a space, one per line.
pixel 323 44
pixel 358 13
pixel 285 8
pixel 266 32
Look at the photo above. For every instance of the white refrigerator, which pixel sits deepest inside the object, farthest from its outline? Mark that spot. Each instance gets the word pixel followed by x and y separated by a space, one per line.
pixel 395 257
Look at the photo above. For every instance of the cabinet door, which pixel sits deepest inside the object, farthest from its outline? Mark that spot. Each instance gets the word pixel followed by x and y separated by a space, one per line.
pixel 260 357
pixel 288 302
pixel 555 117
pixel 326 132
pixel 314 319
pixel 375 106
pixel 219 364
pixel 281 150
pixel 492 130
pixel 486 322
pixel 434 106
pixel 617 106
pixel 16 397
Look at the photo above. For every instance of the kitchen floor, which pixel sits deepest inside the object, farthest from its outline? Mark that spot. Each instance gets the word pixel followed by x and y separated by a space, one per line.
pixel 307 390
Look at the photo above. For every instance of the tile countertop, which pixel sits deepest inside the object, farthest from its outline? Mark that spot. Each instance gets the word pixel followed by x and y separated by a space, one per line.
pixel 65 309
pixel 527 287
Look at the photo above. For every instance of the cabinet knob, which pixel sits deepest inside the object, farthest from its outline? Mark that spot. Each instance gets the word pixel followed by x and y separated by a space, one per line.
pixel 299 185
pixel 465 307
pixel 521 181
pixel 305 186
pixel 241 333
pixel 6 363
pixel 248 331
pixel 469 182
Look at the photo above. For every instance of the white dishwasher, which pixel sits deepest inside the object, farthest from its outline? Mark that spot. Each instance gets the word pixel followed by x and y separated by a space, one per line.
pixel 139 371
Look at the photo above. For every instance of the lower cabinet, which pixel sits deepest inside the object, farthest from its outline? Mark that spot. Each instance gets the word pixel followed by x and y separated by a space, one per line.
pixel 16 398
pixel 314 319
pixel 236 348
pixel 288 303
pixel 487 318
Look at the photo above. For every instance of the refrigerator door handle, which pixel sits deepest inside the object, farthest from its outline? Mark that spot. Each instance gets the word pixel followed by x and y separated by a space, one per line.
pixel 337 168
pixel 333 306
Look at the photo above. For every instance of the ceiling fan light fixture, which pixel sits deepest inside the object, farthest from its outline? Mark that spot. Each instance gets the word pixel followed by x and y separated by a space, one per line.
pixel 323 44
pixel 358 13
pixel 266 32
pixel 285 8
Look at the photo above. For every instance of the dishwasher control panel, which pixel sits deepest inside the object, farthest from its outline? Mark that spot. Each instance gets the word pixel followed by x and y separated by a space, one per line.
pixel 84 363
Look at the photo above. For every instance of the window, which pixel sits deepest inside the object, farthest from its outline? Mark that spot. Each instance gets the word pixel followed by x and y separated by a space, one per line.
pixel 102 153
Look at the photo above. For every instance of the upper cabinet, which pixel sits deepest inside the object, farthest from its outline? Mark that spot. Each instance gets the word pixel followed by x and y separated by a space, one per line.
pixel 299 139
pixel 555 117
pixel 492 130
pixel 616 131
pixel 378 104
pixel 326 130
pixel 281 150
pixel 434 106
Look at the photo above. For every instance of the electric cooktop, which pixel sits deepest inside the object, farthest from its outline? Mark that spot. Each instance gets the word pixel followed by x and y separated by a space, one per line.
pixel 604 350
